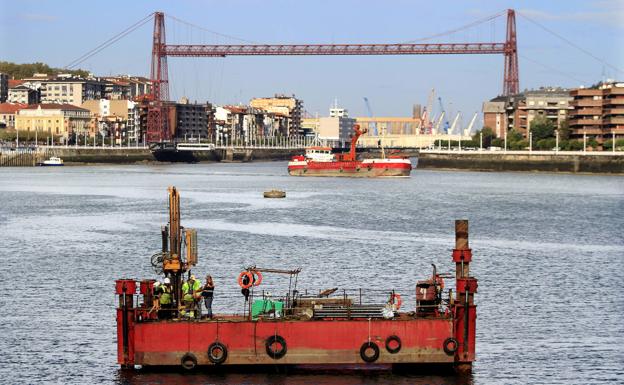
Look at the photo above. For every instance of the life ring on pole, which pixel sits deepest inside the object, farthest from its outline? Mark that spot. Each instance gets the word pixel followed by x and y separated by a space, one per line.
pixel 217 353
pixel 366 349
pixel 257 277
pixel 450 346
pixel 393 344
pixel 396 301
pixel 440 282
pixel 249 276
pixel 188 361
pixel 274 353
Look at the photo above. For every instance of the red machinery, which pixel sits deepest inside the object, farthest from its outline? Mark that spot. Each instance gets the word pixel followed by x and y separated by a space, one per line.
pixel 322 329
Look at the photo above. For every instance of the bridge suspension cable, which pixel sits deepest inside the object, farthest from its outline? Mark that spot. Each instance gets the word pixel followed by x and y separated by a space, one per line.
pixel 571 43
pixel 110 41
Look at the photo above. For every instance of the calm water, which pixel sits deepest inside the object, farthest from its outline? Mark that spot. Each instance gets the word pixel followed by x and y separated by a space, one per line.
pixel 548 252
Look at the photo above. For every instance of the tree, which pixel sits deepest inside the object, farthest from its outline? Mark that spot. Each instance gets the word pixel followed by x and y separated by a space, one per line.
pixel 542 128
pixel 487 133
pixel 564 129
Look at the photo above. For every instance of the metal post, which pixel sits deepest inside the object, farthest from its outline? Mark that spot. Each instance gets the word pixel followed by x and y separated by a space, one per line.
pixel 584 141
pixel 480 141
pixel 613 142
pixel 505 141
pixel 556 141
pixel 530 141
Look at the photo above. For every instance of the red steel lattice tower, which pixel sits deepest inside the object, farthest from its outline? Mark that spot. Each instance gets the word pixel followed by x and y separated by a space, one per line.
pixel 158 114
pixel 511 83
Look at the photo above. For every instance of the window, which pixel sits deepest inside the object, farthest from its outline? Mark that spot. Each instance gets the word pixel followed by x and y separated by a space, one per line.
pixel 531 103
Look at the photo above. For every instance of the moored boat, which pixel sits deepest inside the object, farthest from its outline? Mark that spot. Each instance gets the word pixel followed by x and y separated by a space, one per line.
pixel 319 161
pixel 53 161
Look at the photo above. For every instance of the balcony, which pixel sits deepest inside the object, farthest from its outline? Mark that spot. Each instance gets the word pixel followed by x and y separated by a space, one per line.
pixel 614 120
pixel 613 111
pixel 585 122
pixel 586 103
pixel 613 102
pixel 588 131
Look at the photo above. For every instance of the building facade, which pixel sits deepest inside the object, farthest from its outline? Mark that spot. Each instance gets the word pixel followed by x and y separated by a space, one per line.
pixel 24 94
pixel 517 112
pixel 55 119
pixel 71 90
pixel 286 106
pixel 8 111
pixel 598 112
pixel 118 118
pixel 193 120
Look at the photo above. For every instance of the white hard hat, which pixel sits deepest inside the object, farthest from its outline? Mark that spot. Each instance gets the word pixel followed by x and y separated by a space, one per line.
pixel 156 284
pixel 167 280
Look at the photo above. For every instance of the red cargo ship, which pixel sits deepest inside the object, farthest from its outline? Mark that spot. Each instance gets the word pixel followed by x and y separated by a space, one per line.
pixel 331 327
pixel 319 161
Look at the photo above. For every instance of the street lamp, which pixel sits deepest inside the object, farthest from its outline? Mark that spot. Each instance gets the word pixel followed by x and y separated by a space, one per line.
pixel 480 141
pixel 556 141
pixel 613 142
pixel 530 141
pixel 584 141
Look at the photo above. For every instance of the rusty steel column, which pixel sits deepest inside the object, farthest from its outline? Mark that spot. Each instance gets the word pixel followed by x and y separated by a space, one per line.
pixel 464 310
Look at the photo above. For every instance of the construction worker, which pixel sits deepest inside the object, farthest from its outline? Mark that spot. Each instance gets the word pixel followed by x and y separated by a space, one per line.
pixel 190 292
pixel 208 293
pixel 155 297
pixel 165 300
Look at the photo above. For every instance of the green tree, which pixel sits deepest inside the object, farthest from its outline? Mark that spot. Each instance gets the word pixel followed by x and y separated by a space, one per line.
pixel 487 133
pixel 20 71
pixel 564 130
pixel 542 128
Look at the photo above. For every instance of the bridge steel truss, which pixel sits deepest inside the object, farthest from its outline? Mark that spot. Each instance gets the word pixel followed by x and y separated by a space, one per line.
pixel 158 116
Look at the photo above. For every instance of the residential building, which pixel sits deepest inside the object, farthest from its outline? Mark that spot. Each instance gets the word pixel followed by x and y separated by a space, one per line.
pixel 116 90
pixel 71 90
pixel 517 112
pixel 54 118
pixel 4 87
pixel 8 111
pixel 118 118
pixel 245 124
pixel 136 85
pixel 598 112
pixel 23 93
pixel 286 106
pixel 193 120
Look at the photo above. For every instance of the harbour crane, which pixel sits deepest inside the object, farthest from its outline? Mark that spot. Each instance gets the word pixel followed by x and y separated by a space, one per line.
pixel 442 117
pixel 468 129
pixel 454 124
pixel 373 124
pixel 427 115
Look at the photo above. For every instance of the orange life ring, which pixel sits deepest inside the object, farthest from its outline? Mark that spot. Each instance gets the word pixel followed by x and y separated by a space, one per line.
pixel 396 297
pixel 250 279
pixel 257 277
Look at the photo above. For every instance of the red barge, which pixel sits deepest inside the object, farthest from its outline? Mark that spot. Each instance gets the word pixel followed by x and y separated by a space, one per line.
pixel 319 161
pixel 328 328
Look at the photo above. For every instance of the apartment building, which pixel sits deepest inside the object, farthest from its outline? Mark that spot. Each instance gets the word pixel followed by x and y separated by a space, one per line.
pixel 286 106
pixel 8 111
pixel 598 112
pixel 67 89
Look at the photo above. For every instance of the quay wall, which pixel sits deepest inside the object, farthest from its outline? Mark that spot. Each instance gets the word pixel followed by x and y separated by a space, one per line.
pixel 577 163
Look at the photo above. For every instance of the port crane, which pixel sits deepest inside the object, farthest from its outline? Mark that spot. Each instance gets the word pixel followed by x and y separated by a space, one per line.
pixel 468 129
pixel 373 125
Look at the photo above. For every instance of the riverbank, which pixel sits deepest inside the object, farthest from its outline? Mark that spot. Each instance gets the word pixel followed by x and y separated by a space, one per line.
pixel 492 161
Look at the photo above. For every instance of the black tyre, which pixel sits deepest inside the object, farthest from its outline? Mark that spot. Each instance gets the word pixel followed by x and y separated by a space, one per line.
pixel 369 352
pixel 217 353
pixel 276 347
pixel 450 346
pixel 188 361
pixel 393 344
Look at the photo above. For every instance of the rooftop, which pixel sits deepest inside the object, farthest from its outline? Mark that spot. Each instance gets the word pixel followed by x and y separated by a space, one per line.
pixel 11 108
pixel 54 106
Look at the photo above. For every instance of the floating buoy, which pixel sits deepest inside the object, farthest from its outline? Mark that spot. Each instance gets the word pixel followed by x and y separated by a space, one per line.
pixel 275 194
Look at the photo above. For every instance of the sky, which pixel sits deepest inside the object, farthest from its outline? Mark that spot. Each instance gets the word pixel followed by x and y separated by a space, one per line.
pixel 59 31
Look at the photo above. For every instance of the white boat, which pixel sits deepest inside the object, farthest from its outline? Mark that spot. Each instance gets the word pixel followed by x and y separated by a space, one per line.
pixel 53 161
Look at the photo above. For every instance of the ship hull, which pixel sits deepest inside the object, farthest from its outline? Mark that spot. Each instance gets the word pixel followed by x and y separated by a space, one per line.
pixel 370 168
pixel 313 342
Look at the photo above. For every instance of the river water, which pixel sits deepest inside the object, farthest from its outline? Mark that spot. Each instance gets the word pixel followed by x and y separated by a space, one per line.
pixel 548 252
